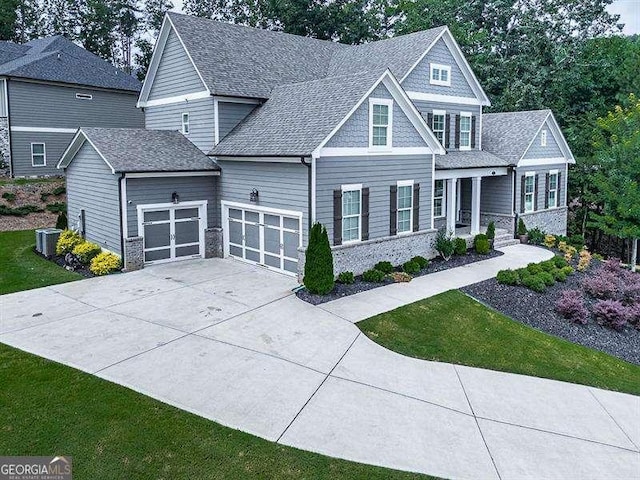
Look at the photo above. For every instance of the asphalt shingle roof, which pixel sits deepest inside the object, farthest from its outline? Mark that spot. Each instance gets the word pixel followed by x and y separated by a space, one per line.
pixel 57 59
pixel 297 117
pixel 509 134
pixel 469 159
pixel 141 150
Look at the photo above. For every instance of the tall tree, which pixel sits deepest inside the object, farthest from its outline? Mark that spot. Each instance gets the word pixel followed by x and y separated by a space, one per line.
pixel 8 18
pixel 153 15
pixel 30 21
pixel 63 17
pixel 97 32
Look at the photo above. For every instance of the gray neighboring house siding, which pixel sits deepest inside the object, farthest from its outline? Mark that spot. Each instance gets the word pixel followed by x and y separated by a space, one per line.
pixel 536 150
pixel 419 79
pixel 452 109
pixel 201 120
pixel 231 114
pixel 55 145
pixel 142 191
pixel 176 75
pixel 91 186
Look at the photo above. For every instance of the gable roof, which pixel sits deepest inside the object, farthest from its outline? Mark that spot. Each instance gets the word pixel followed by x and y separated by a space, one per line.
pixel 57 59
pixel 140 150
pixel 456 159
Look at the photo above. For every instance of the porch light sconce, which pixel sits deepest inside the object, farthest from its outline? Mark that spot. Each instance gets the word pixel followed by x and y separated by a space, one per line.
pixel 175 198
pixel 253 196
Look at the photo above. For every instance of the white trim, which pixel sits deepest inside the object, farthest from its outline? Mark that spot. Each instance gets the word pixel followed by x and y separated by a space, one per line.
pixel 440 113
pixel 175 99
pixel 549 190
pixel 226 158
pixel 433 183
pixel 44 130
pixel 436 97
pixel 216 121
pixel 468 115
pixel 442 68
pixel 480 127
pixel 557 135
pixel 534 162
pixel 543 137
pixel 533 194
pixel 353 187
pixel 470 172
pixel 123 207
pixel 84 96
pixel 367 152
pixel 208 173
pixel 224 99
pixel 259 208
pixel 185 131
pixel 5 92
pixel 554 171
pixel 443 205
pixel 44 154
pixel 3 98
pixel 389 126
pixel 312 214
pixel 75 145
pixel 404 183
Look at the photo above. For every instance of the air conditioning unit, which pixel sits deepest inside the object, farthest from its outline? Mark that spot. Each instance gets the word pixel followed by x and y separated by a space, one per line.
pixel 46 240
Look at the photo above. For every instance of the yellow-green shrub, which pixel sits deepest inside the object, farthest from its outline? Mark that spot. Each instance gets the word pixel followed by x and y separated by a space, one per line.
pixel 85 251
pixel 104 263
pixel 67 241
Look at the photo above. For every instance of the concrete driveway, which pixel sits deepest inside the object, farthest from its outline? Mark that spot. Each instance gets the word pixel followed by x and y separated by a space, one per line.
pixel 230 342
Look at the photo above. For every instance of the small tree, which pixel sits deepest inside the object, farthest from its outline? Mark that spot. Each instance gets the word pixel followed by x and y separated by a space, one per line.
pixel 491 230
pixel 318 266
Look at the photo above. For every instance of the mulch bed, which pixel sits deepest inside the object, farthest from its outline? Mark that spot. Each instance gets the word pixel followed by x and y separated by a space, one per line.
pixel 30 194
pixel 537 311
pixel 59 260
pixel 435 265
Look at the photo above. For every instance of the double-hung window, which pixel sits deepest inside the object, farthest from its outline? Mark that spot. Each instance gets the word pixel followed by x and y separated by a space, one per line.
pixel 351 213
pixel 529 191
pixel 465 131
pixel 380 122
pixel 439 125
pixel 405 206
pixel 440 75
pixel 438 198
pixel 552 195
pixel 185 123
pixel 38 155
pixel 543 138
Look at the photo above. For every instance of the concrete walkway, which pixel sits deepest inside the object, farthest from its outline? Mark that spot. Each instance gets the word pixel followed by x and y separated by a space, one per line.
pixel 230 342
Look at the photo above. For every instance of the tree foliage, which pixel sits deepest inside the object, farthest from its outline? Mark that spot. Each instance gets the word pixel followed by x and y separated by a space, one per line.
pixel 318 266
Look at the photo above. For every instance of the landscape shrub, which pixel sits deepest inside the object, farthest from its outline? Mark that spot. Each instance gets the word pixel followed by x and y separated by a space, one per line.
pixel 633 315
pixel 584 260
pixel 631 293
pixel 57 207
pixel 346 278
pixel 44 196
pixel 399 277
pixel 62 223
pixel 410 267
pixel 481 244
pixel 491 230
pixel 603 285
pixel 549 241
pixel 85 251
pixel 9 196
pixel 508 277
pixel 568 269
pixel 373 275
pixel 534 268
pixel 547 265
pixel 19 211
pixel 59 190
pixel 523 272
pixel 384 267
pixel 67 241
pixel 105 263
pixel 576 241
pixel 559 275
pixel 318 266
pixel 568 250
pixel 534 282
pixel 522 228
pixel 459 246
pixel 559 262
pixel 571 306
pixel 547 278
pixel 611 313
pixel 536 236
pixel 444 245
pixel 423 262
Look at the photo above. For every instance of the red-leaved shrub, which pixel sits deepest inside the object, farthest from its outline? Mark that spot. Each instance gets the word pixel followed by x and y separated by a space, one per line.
pixel 633 315
pixel 611 313
pixel 602 284
pixel 571 306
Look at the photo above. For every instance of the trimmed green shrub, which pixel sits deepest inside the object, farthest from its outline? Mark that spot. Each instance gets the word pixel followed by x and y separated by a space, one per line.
pixel 373 275
pixel 522 228
pixel 423 262
pixel 384 267
pixel 547 278
pixel 85 251
pixel 534 268
pixel 67 241
pixel 410 267
pixel 508 277
pixel 459 246
pixel 536 236
pixel 576 241
pixel 548 265
pixel 59 190
pixel 57 207
pixel 318 266
pixel 559 275
pixel 105 263
pixel 44 196
pixel 62 222
pixel 491 230
pixel 534 282
pixel 19 211
pixel 9 196
pixel 559 262
pixel 444 244
pixel 568 270
pixel 481 244
pixel 346 278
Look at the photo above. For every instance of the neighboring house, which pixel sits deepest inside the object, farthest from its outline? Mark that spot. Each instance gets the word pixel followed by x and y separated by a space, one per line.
pixel 48 88
pixel 383 143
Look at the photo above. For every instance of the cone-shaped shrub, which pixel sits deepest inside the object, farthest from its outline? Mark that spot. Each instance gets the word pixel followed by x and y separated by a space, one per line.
pixel 318 266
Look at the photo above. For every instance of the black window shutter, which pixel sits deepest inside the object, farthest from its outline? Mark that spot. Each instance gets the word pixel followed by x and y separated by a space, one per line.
pixel 559 192
pixel 416 207
pixel 393 210
pixel 473 132
pixel 535 193
pixel 546 191
pixel 522 181
pixel 447 130
pixel 430 119
pixel 457 144
pixel 365 214
pixel 337 216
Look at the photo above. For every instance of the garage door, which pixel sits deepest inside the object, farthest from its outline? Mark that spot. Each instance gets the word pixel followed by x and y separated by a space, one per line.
pixel 173 232
pixel 264 236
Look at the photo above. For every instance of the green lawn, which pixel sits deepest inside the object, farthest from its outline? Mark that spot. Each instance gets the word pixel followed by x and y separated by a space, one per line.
pixel 28 181
pixel 452 327
pixel 114 433
pixel 22 269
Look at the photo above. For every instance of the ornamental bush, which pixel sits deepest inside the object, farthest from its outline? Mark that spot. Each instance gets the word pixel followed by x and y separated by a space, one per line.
pixel 318 266
pixel 508 277
pixel 534 282
pixel 346 278
pixel 522 228
pixel 547 266
pixel 105 263
pixel 536 236
pixel 373 275
pixel 9 196
pixel 576 241
pixel 67 241
pixel 633 315
pixel 384 267
pixel 85 251
pixel 423 262
pixel 571 306
pixel 481 244
pixel 62 223
pixel 611 313
pixel 534 268
pixel 547 278
pixel 549 241
pixel 444 244
pixel 410 267
pixel 603 285
pixel 459 246
pixel 399 277
pixel 559 262
pixel 559 275
pixel 491 230
pixel 584 259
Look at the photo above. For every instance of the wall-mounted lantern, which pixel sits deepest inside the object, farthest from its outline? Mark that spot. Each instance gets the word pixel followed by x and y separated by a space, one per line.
pixel 175 198
pixel 253 196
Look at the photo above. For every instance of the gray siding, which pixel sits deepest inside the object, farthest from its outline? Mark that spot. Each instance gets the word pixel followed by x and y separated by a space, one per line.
pixel 377 173
pixel 355 131
pixel 91 186
pixel 141 191
pixel 55 145
pixel 495 194
pixel 542 170
pixel 419 79
pixel 452 109
pixel 231 114
pixel 280 185
pixel 201 120
pixel 536 150
pixel 176 75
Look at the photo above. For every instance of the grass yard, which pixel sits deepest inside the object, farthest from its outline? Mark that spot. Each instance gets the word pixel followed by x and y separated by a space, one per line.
pixel 115 433
pixel 22 269
pixel 27 181
pixel 452 327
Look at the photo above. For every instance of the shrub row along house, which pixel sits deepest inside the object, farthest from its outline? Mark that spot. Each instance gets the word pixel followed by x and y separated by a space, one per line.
pixel 383 143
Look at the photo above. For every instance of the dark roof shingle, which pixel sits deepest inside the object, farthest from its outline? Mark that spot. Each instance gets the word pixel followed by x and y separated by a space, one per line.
pixel 509 134
pixel 469 159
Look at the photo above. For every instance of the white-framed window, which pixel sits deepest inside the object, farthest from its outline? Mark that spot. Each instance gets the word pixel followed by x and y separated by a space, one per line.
pixel 351 213
pixel 185 123
pixel 529 191
pixel 405 206
pixel 439 126
pixel 38 155
pixel 3 97
pixel 552 195
pixel 84 96
pixel 465 131
pixel 543 138
pixel 438 199
pixel 440 74
pixel 380 122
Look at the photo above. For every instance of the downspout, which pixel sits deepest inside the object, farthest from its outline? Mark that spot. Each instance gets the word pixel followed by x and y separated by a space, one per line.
pixel 309 187
pixel 513 200
pixel 6 97
pixel 122 213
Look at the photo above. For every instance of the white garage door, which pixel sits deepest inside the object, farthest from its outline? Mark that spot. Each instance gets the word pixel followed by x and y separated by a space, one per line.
pixel 263 236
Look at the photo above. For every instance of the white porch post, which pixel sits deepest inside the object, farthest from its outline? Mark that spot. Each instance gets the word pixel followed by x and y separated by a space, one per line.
pixel 475 205
pixel 451 204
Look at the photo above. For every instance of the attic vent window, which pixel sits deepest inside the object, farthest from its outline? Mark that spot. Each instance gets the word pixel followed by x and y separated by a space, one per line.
pixel 543 138
pixel 440 75
pixel 84 96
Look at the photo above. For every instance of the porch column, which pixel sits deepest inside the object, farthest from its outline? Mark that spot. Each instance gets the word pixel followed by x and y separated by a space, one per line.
pixel 475 205
pixel 452 196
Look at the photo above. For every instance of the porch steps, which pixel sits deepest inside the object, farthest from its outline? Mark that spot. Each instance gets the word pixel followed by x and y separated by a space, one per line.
pixel 504 240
